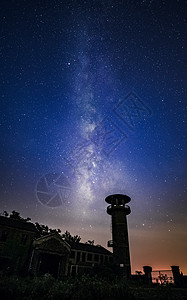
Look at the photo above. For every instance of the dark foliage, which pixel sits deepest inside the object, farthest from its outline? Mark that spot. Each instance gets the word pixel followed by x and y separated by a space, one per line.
pixel 15 215
pixel 82 288
pixel 70 238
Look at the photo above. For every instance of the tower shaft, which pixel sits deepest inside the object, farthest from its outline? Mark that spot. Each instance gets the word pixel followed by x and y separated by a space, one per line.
pixel 118 211
pixel 120 238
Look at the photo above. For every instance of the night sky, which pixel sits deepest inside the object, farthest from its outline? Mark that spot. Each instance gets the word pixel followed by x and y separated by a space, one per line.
pixel 93 103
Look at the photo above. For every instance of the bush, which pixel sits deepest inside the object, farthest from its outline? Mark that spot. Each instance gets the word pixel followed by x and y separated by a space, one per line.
pixel 82 288
pixel 47 288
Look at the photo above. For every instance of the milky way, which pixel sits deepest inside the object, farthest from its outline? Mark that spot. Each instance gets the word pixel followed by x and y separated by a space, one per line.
pixel 93 103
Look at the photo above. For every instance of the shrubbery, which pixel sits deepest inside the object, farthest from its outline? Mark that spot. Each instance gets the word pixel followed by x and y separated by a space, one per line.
pixel 82 288
pixel 47 288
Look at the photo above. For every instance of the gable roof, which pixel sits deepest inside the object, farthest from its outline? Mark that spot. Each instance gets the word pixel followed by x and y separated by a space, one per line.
pixel 51 237
pixel 89 248
pixel 21 224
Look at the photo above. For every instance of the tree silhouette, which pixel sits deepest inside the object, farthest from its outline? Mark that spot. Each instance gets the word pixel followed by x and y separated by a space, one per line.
pixel 90 242
pixel 70 238
pixel 138 272
pixel 14 215
pixel 44 229
pixel 5 213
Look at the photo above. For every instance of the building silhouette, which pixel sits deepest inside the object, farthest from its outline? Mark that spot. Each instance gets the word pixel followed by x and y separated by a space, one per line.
pixel 23 251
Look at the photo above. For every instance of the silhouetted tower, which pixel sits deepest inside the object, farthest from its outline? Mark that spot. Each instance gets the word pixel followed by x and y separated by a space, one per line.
pixel 148 275
pixel 177 275
pixel 120 243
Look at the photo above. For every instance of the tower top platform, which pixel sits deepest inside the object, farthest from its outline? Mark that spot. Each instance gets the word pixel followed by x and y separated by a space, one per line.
pixel 119 199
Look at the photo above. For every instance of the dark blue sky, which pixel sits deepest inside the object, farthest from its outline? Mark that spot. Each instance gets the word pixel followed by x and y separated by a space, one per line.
pixel 93 102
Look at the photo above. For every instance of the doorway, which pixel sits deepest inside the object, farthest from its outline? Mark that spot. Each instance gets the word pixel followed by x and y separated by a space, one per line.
pixel 49 263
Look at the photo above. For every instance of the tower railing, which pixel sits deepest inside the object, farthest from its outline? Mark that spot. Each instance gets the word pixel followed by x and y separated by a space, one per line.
pixel 121 205
pixel 124 207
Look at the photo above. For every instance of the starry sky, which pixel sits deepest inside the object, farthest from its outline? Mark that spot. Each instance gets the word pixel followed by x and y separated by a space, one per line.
pixel 93 103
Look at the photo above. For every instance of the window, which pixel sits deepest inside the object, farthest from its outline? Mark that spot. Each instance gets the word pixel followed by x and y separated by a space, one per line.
pixel 72 255
pixel 110 259
pixel 78 256
pixel 4 236
pixel 73 270
pixel 83 256
pixel 106 259
pixel 24 239
pixel 96 257
pixel 101 259
pixel 89 256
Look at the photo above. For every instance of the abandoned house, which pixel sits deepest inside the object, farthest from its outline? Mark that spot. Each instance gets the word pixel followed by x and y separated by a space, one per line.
pixel 22 251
